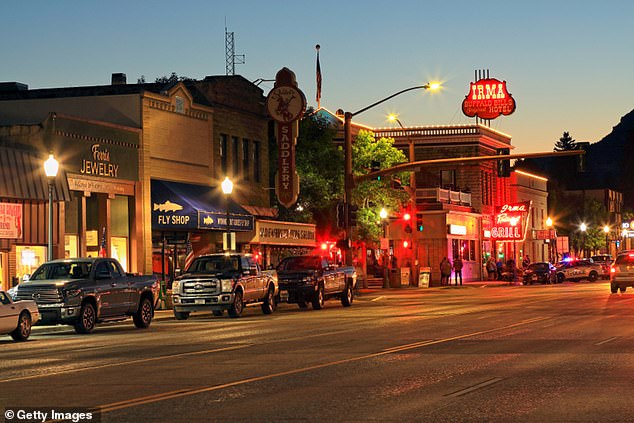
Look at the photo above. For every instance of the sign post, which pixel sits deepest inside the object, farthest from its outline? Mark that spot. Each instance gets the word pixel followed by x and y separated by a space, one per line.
pixel 286 104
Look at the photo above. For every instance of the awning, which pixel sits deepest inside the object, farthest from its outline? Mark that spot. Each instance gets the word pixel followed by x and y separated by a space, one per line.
pixel 186 206
pixel 22 177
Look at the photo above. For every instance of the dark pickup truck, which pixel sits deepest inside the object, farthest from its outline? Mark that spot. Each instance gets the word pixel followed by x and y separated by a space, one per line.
pixel 85 291
pixel 314 279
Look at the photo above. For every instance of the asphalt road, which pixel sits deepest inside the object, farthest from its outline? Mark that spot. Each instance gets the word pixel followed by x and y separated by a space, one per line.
pixel 477 353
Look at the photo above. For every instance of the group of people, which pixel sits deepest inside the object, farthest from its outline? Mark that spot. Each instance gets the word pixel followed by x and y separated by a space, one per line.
pixel 445 271
pixel 496 270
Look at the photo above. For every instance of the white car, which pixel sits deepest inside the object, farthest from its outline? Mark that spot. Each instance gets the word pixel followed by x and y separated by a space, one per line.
pixel 17 317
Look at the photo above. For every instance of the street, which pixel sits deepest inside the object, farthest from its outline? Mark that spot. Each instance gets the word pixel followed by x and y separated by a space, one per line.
pixel 476 353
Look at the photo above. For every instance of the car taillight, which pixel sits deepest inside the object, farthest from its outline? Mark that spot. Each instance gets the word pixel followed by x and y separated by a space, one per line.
pixel 612 269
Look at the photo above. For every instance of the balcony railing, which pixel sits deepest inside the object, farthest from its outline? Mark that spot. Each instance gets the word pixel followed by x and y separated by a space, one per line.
pixel 440 195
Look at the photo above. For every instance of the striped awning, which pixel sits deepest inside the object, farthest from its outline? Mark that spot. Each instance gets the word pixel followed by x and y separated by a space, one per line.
pixel 22 177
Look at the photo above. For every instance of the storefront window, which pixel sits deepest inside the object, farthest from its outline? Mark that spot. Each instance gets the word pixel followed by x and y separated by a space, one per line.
pixel 28 258
pixel 465 248
pixel 71 246
pixel 119 248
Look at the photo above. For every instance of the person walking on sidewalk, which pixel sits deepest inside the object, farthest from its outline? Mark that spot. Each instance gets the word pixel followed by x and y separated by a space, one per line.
pixel 457 269
pixel 445 271
pixel 491 268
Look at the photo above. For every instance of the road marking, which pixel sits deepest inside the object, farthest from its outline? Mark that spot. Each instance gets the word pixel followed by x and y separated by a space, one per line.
pixel 380 297
pixel 606 341
pixel 126 363
pixel 474 387
pixel 194 391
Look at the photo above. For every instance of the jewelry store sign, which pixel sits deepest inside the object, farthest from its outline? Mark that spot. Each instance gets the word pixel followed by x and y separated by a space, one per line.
pixel 10 220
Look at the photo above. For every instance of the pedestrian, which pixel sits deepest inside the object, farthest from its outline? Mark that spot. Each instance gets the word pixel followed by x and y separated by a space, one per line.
pixel 526 262
pixel 457 270
pixel 491 268
pixel 445 271
pixel 499 266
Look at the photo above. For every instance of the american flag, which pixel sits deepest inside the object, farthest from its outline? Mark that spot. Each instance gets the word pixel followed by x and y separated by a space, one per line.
pixel 318 96
pixel 189 253
pixel 102 246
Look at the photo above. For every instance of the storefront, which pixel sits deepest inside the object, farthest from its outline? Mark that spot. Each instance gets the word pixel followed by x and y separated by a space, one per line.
pixel 273 240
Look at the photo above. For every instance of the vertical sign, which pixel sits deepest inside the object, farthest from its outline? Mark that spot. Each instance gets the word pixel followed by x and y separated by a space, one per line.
pixel 10 220
pixel 286 105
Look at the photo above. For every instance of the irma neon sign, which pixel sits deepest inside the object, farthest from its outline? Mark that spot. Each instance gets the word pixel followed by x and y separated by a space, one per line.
pixel 510 222
pixel 488 99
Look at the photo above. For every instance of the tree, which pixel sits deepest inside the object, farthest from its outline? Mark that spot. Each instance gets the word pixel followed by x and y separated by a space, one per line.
pixel 171 79
pixel 565 143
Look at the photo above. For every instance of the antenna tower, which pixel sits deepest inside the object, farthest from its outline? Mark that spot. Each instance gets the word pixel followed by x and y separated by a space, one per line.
pixel 231 59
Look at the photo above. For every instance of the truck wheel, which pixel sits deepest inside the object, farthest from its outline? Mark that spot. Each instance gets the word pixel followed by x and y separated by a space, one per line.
pixel 622 288
pixel 87 319
pixel 593 276
pixel 614 288
pixel 237 306
pixel 560 277
pixel 301 304
pixel 181 315
pixel 318 299
pixel 218 313
pixel 268 306
pixel 22 332
pixel 143 316
pixel 347 297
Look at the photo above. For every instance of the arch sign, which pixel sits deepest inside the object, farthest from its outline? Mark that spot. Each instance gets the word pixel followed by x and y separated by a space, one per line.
pixel 488 99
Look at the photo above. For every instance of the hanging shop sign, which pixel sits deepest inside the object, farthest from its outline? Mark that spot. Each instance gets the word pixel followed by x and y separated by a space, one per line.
pixel 286 104
pixel 488 99
pixel 510 222
pixel 10 220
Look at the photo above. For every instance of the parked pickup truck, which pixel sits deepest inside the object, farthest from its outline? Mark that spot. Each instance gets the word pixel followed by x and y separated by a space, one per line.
pixel 85 291
pixel 223 281
pixel 314 279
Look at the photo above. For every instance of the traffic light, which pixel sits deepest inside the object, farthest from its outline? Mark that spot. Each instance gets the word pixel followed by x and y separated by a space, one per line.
pixel 407 219
pixel 341 215
pixel 375 166
pixel 352 215
pixel 407 244
pixel 504 166
pixel 419 223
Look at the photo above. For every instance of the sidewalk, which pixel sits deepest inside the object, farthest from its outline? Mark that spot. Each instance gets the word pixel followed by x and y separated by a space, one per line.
pixel 465 284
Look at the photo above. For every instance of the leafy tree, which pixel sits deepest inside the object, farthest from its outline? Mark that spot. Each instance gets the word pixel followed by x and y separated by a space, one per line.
pixel 594 214
pixel 371 196
pixel 566 143
pixel 170 79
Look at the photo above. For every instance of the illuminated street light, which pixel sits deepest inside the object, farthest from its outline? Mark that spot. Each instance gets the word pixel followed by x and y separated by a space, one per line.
pixel 227 189
pixel 51 166
pixel 606 229
pixel 383 216
pixel 348 181
pixel 549 225
pixel 583 229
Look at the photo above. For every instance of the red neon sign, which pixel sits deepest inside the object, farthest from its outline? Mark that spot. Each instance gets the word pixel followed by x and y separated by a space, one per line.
pixel 510 222
pixel 488 99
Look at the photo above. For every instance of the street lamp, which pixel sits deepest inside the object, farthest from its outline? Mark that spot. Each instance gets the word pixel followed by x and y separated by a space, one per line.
pixel 383 216
pixel 348 181
pixel 606 229
pixel 549 225
pixel 51 166
pixel 583 229
pixel 227 189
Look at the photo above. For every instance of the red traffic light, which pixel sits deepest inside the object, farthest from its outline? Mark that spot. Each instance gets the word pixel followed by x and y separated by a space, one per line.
pixel 406 244
pixel 407 217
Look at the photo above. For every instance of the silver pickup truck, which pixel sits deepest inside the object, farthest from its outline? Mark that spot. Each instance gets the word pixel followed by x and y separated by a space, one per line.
pixel 223 281
pixel 85 291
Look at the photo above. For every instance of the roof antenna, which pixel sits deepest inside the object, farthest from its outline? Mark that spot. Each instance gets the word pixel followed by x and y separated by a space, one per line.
pixel 231 59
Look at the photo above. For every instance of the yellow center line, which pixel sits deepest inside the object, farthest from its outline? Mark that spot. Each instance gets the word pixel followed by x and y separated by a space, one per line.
pixel 193 391
pixel 126 363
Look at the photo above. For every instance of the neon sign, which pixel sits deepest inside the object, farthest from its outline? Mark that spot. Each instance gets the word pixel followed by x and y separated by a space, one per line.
pixel 510 222
pixel 488 99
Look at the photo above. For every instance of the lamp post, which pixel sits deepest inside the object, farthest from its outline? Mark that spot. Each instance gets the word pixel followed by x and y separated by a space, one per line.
pixel 583 229
pixel 606 230
pixel 51 166
pixel 383 216
pixel 227 189
pixel 549 225
pixel 348 181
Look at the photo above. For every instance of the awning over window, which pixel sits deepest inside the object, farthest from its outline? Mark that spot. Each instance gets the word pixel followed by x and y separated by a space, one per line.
pixel 185 206
pixel 22 177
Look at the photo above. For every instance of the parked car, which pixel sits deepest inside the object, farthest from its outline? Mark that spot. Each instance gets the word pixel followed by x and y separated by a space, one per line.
pixel 542 272
pixel 622 272
pixel 17 317
pixel 314 279
pixel 605 260
pixel 219 282
pixel 576 270
pixel 85 291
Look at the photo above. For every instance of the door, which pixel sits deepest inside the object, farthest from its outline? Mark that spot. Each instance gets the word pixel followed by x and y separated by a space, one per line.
pixel 251 281
pixel 330 276
pixel 110 289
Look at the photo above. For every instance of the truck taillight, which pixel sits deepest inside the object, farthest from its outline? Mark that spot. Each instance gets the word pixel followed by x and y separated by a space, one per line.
pixel 612 269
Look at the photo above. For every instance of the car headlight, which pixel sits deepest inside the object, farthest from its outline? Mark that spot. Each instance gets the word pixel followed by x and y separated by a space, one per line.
pixel 176 287
pixel 226 285
pixel 307 279
pixel 13 292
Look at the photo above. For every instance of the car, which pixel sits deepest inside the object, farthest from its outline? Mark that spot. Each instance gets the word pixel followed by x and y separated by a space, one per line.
pixel 622 272
pixel 578 269
pixel 605 260
pixel 542 272
pixel 17 317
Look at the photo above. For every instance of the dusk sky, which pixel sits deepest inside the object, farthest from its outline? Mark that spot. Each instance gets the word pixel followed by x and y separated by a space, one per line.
pixel 569 65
